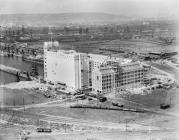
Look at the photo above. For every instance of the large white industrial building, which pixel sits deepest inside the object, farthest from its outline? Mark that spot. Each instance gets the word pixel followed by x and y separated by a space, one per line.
pixel 65 66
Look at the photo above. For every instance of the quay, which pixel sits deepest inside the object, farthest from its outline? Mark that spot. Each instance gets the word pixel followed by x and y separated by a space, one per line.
pixel 15 71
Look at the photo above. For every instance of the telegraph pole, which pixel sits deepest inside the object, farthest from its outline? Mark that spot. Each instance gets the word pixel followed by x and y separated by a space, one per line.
pixel 127 121
pixel 126 128
pixel 24 103
pixel 170 99
pixel 126 124
pixel 14 102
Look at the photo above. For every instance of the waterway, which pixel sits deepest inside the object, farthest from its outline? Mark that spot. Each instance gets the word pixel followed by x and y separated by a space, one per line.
pixel 18 63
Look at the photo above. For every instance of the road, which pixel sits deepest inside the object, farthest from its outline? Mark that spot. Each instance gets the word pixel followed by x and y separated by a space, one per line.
pixel 115 135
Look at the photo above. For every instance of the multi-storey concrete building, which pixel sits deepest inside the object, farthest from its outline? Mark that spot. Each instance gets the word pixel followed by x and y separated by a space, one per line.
pixel 103 79
pixel 96 60
pixel 62 66
pixel 113 76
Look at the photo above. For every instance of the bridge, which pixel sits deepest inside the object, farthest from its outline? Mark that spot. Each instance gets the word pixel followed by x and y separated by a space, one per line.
pixel 15 71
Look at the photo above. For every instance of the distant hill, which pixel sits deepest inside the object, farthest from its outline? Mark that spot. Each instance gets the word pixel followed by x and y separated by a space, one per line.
pixel 61 19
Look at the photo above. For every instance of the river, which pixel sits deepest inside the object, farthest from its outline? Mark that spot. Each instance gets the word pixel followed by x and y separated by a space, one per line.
pixel 18 63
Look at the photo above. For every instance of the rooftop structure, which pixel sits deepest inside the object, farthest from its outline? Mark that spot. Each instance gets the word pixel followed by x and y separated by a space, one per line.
pixel 51 44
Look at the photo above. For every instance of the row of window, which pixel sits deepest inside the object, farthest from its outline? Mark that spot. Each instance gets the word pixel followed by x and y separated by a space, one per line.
pixel 108 87
pixel 129 77
pixel 106 76
pixel 106 84
pixel 134 77
pixel 122 79
pixel 131 72
pixel 125 80
pixel 106 80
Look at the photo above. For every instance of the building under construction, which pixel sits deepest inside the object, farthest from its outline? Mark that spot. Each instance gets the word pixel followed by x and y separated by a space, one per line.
pixel 114 76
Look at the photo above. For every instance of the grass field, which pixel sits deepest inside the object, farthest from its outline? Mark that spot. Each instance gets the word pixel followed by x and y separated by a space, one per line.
pixel 90 114
pixel 15 97
pixel 151 100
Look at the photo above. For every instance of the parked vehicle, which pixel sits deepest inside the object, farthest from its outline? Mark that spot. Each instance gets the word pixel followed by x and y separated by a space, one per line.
pixel 117 104
pixel 46 130
pixel 102 99
pixel 82 96
pixel 164 106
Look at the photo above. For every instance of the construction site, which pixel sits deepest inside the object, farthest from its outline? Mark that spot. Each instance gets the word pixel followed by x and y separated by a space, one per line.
pixel 63 79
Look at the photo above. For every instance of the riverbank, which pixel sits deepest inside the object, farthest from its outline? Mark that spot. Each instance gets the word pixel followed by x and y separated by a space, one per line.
pixel 22 85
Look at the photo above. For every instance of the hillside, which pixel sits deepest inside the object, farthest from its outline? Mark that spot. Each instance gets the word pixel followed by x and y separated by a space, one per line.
pixel 60 19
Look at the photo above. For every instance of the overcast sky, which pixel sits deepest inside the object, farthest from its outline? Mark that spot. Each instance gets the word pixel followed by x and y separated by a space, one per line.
pixel 144 8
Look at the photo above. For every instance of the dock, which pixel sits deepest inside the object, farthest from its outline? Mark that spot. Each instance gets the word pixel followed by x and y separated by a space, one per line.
pixel 14 71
